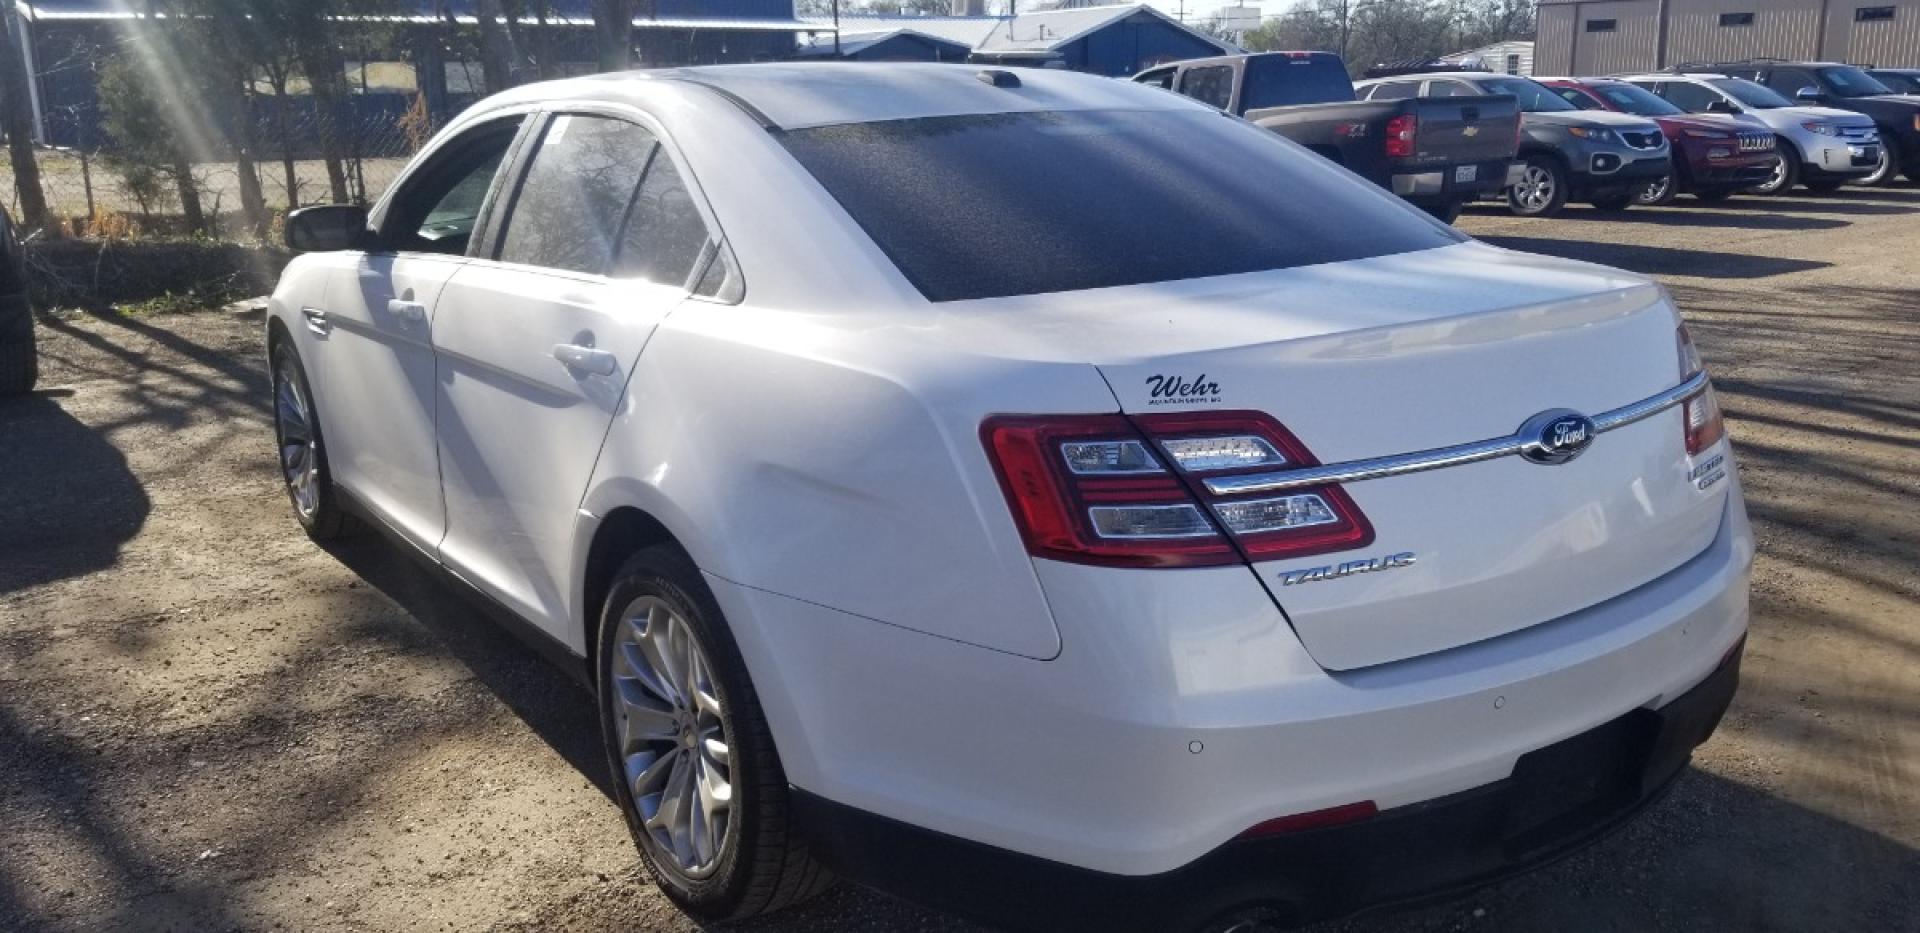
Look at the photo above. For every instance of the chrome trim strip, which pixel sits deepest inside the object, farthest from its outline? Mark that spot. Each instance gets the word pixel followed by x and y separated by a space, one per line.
pixel 1493 448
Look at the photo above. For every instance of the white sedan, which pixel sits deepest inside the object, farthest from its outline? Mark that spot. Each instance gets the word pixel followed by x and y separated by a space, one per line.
pixel 1035 494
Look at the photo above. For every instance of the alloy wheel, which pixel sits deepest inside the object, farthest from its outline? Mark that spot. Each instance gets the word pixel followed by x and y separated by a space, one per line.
pixel 1777 181
pixel 1535 190
pixel 674 750
pixel 1657 191
pixel 299 447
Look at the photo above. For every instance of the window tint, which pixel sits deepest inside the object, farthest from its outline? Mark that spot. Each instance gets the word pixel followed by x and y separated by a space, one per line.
pixel 1789 81
pixel 1533 96
pixel 1848 81
pixel 1210 85
pixel 665 232
pixel 438 207
pixel 990 205
pixel 1689 97
pixel 1749 94
pixel 575 194
pixel 1578 98
pixel 1449 89
pixel 1280 80
pixel 1637 100
pixel 1395 90
pixel 1162 78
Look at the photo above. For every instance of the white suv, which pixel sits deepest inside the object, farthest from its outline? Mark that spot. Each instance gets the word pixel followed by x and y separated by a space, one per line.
pixel 1032 493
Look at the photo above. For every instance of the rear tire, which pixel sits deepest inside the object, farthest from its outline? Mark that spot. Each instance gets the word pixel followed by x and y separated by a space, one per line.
pixel 1445 213
pixel 672 684
pixel 19 362
pixel 1542 190
pixel 302 453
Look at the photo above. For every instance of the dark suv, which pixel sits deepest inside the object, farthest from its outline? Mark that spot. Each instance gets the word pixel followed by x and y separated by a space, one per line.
pixel 1848 87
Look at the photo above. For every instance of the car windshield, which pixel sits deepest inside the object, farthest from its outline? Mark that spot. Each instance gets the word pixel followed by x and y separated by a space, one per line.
pixel 1749 94
pixel 1534 97
pixel 990 205
pixel 1282 79
pixel 1848 81
pixel 1638 100
pixel 1900 82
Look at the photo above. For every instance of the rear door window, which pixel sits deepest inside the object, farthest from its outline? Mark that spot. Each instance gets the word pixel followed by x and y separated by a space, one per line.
pixel 571 203
pixel 664 230
pixel 990 205
pixel 1395 90
pixel 1689 97
pixel 1210 85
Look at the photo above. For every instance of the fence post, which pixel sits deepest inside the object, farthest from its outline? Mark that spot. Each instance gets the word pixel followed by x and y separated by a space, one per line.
pixel 86 180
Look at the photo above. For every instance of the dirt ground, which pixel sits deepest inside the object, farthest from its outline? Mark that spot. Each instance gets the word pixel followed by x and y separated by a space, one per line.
pixel 209 723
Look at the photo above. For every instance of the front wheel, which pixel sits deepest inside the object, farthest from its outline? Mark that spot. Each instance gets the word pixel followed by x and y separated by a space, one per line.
pixel 1542 190
pixel 1661 190
pixel 1786 172
pixel 693 761
pixel 303 455
pixel 1888 168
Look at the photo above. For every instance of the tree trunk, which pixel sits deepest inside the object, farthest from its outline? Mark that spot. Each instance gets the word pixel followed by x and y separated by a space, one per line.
pixel 321 62
pixel 613 33
pixel 17 120
pixel 283 123
pixel 496 64
pixel 189 189
pixel 253 202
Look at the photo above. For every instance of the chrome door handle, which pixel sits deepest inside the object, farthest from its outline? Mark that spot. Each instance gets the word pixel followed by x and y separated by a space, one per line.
pixel 412 312
pixel 316 320
pixel 586 359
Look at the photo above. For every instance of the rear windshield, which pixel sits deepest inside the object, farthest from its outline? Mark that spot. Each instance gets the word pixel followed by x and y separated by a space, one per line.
pixel 1282 80
pixel 989 205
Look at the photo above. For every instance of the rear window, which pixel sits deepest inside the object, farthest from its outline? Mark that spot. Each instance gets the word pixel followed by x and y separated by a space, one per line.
pixel 990 205
pixel 1285 80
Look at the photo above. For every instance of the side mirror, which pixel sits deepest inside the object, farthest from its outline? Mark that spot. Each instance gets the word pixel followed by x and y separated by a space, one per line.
pixel 1721 106
pixel 328 227
pixel 1811 95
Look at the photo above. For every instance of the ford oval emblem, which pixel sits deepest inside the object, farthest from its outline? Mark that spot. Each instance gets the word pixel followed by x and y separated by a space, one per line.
pixel 1556 436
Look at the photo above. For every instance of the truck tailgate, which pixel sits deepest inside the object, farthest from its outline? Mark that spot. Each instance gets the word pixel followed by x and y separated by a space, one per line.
pixel 1459 130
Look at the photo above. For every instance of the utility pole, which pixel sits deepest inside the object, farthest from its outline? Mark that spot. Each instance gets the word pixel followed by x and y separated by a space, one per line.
pixel 836 28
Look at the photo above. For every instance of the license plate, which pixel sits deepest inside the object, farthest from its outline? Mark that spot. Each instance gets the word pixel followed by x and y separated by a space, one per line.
pixel 1465 172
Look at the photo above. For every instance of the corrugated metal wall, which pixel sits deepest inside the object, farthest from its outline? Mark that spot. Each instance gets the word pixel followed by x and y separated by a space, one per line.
pixel 1789 29
pixel 1553 40
pixel 1629 47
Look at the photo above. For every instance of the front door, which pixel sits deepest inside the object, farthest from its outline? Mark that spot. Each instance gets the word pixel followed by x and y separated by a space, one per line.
pixel 536 342
pixel 379 323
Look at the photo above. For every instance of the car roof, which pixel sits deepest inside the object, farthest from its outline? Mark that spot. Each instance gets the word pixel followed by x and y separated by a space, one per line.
pixel 1669 76
pixel 1463 75
pixel 796 95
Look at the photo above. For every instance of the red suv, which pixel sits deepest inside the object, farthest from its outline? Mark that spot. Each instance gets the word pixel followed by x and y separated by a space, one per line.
pixel 1714 155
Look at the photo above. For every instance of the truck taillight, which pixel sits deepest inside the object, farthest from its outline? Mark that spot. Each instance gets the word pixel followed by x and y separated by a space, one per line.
pixel 1400 136
pixel 1704 426
pixel 1106 489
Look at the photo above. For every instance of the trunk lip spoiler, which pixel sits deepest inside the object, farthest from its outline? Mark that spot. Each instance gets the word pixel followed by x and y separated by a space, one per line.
pixel 1420 461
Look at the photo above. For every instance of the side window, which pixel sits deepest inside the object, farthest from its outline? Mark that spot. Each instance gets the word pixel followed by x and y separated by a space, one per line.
pixel 1162 78
pixel 437 208
pixel 1578 98
pixel 1396 90
pixel 570 205
pixel 665 232
pixel 1689 97
pixel 1789 81
pixel 1210 85
pixel 1449 89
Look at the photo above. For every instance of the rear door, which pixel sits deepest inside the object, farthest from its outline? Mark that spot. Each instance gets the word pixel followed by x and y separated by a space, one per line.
pixel 538 337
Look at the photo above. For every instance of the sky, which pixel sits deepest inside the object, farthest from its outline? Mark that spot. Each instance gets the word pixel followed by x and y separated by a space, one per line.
pixel 1197 10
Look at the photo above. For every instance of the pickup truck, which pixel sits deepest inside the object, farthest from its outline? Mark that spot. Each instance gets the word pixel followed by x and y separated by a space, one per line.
pixel 1437 153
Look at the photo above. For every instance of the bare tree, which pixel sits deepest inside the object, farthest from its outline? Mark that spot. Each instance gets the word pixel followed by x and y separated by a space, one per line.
pixel 18 123
pixel 495 59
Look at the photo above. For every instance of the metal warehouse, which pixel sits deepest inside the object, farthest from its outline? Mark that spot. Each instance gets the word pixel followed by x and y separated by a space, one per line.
pixel 1590 37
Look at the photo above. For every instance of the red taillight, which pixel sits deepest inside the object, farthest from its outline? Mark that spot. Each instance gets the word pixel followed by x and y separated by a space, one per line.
pixel 1317 819
pixel 1400 136
pixel 1105 489
pixel 1703 424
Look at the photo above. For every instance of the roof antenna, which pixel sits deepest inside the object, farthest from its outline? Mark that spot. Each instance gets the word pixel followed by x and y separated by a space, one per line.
pixel 998 77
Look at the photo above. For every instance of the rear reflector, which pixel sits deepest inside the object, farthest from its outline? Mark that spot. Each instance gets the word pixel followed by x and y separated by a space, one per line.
pixel 1106 489
pixel 1317 819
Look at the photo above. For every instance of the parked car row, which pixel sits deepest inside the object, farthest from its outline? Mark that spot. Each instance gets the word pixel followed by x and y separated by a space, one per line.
pixel 1710 131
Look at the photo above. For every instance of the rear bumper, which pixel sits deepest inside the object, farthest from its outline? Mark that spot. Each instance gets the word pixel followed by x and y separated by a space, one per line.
pixel 1557 800
pixel 1465 182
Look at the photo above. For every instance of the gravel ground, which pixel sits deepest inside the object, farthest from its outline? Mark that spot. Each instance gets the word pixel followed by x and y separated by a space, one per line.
pixel 208 723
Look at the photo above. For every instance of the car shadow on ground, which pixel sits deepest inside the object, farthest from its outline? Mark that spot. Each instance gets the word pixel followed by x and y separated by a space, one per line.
pixel 1682 214
pixel 68 500
pixel 1659 260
